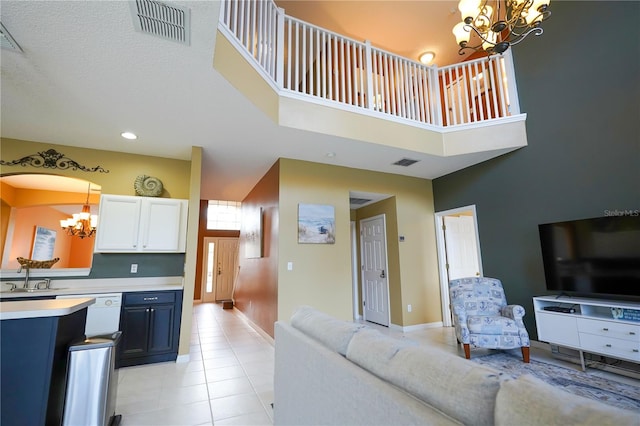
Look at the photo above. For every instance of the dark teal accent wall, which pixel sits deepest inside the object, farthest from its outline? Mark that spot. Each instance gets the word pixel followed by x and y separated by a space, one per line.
pixel 118 265
pixel 579 84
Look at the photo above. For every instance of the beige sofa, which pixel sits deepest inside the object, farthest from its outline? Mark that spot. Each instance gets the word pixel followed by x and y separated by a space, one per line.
pixel 332 372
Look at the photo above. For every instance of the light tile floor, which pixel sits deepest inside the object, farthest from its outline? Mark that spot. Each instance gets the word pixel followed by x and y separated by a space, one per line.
pixel 227 381
pixel 229 378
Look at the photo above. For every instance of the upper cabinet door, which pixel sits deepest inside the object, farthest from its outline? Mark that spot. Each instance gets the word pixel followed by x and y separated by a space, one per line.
pixel 118 223
pixel 141 224
pixel 163 225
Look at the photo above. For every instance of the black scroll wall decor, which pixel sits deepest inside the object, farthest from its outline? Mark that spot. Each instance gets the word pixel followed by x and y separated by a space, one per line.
pixel 51 159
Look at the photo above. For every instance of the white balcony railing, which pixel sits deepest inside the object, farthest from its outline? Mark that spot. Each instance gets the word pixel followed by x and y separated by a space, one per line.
pixel 300 58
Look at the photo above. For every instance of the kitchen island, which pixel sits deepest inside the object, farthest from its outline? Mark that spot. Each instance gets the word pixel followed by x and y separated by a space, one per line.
pixel 34 339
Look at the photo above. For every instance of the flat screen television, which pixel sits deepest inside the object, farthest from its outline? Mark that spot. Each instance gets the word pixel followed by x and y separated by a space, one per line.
pixel 592 257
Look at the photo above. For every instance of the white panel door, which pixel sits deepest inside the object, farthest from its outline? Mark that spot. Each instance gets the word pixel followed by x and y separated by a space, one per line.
pixel 462 250
pixel 374 270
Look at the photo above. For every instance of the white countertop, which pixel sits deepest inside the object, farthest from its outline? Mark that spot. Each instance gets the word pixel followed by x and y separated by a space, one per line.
pixel 43 308
pixel 96 286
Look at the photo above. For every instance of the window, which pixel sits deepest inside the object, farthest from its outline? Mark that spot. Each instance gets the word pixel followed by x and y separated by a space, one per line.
pixel 224 215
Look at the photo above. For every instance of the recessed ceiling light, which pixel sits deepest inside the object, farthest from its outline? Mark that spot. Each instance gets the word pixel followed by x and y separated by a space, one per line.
pixel 427 57
pixel 129 135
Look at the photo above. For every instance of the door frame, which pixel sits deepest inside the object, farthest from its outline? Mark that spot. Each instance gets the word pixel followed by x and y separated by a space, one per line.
pixel 354 269
pixel 386 265
pixel 442 256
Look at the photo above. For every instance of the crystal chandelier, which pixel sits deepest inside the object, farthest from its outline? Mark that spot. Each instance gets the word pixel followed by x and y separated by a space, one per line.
pixel 82 224
pixel 499 23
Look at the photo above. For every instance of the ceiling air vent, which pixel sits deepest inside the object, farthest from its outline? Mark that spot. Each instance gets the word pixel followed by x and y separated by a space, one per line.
pixel 359 201
pixel 405 162
pixel 162 19
pixel 7 41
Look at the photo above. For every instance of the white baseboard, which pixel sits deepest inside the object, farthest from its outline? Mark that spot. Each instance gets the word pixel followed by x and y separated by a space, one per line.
pixel 416 327
pixel 255 326
pixel 183 358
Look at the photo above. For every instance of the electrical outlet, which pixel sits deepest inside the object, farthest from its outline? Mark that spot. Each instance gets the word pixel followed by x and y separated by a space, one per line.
pixel 289 266
pixel 134 268
pixel 408 308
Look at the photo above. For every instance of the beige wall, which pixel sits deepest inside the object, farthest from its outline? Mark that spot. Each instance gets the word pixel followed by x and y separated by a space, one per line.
pixel 123 168
pixel 321 274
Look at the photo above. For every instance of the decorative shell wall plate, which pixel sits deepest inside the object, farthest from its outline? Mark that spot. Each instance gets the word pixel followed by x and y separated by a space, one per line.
pixel 148 186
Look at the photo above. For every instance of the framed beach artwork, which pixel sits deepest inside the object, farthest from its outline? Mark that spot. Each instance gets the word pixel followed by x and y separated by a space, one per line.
pixel 44 242
pixel 316 224
pixel 252 225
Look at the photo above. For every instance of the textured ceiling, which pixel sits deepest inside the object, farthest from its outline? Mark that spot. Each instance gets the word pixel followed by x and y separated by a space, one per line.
pixel 86 75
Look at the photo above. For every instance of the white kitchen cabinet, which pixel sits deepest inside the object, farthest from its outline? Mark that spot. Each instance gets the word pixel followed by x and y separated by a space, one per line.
pixel 128 224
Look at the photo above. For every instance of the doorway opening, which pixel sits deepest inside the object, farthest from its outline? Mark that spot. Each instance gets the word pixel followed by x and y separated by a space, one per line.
pixel 458 245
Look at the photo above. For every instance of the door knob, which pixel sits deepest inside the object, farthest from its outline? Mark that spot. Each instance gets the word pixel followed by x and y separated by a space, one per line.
pixel 382 275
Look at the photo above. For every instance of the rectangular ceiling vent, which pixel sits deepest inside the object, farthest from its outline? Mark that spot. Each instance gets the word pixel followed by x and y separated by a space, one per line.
pixel 7 41
pixel 162 19
pixel 359 201
pixel 405 162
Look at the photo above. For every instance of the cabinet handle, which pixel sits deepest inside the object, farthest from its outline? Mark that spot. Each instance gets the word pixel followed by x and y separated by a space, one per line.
pixel 147 310
pixel 605 329
pixel 633 333
pixel 150 298
pixel 635 350
pixel 608 345
pixel 152 310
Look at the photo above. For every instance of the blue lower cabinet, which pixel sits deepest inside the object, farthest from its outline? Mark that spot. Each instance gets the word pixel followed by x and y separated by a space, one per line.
pixel 150 325
pixel 33 367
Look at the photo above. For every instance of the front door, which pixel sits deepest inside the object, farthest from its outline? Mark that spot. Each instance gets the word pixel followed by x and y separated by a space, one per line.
pixel 226 267
pixel 374 270
pixel 219 268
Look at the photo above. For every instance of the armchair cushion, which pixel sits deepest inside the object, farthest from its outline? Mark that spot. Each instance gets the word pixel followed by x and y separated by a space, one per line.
pixel 491 324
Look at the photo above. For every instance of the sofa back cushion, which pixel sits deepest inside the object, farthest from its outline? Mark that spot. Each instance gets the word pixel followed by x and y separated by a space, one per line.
pixel 530 401
pixel 459 388
pixel 331 332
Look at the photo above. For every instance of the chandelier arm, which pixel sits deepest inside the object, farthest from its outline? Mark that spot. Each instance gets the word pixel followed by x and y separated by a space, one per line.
pixel 479 34
pixel 536 31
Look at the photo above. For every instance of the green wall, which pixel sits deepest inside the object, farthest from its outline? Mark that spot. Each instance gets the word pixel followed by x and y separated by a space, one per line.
pixel 579 85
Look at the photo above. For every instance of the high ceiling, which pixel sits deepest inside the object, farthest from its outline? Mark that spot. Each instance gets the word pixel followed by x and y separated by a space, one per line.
pixel 86 75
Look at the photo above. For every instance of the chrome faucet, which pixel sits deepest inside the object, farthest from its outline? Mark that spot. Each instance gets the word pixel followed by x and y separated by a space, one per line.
pixel 26 276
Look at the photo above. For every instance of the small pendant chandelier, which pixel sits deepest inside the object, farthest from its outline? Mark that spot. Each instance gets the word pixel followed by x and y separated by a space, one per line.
pixel 499 23
pixel 82 224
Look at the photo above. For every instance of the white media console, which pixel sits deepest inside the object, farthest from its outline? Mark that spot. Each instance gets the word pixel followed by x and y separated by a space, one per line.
pixel 591 328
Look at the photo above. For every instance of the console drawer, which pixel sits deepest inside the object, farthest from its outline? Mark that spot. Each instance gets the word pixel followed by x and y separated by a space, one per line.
pixel 618 348
pixel 609 329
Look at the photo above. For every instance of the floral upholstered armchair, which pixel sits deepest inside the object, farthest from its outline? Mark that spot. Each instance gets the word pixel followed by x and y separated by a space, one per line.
pixel 483 318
